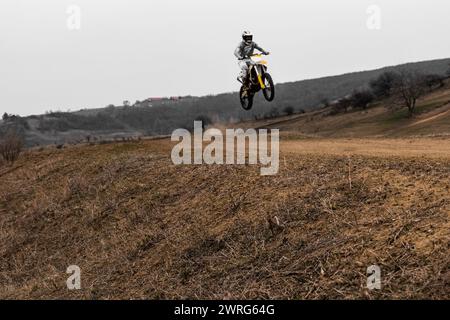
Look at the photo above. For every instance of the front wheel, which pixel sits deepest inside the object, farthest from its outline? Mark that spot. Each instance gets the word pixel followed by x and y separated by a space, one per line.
pixel 246 98
pixel 269 90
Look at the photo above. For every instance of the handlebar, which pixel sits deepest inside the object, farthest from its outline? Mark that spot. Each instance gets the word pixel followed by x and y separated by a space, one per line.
pixel 255 55
pixel 259 54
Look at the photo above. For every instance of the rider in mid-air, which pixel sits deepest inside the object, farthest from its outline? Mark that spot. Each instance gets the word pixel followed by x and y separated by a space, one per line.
pixel 243 52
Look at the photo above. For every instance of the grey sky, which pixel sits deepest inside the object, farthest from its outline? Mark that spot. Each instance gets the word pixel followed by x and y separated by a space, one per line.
pixel 134 49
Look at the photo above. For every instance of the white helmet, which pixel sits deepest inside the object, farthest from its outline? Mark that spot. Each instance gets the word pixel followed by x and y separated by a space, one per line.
pixel 247 36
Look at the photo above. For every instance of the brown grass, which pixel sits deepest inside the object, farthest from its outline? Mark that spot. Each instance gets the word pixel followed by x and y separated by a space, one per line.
pixel 140 227
pixel 381 120
pixel 10 147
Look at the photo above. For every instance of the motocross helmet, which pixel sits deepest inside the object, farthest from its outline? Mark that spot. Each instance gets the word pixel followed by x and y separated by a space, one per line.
pixel 247 36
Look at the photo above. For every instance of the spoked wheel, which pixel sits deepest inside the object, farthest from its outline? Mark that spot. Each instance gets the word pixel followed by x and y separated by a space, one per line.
pixel 269 90
pixel 246 99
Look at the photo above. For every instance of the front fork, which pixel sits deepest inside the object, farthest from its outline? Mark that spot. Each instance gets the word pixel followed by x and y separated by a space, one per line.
pixel 260 80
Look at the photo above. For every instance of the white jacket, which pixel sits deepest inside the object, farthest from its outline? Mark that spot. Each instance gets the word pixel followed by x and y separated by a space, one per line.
pixel 244 50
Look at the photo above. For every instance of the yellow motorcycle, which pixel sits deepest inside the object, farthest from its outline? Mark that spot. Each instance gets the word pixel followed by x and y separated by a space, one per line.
pixel 257 79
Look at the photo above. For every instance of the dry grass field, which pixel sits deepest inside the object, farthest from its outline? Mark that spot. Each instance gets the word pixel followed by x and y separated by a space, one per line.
pixel 382 120
pixel 140 227
pixel 353 190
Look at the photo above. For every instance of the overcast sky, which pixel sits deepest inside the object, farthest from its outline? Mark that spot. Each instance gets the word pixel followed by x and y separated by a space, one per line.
pixel 135 49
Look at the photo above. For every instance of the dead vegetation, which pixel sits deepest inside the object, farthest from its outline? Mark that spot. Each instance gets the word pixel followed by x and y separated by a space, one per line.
pixel 140 227
pixel 10 147
pixel 388 118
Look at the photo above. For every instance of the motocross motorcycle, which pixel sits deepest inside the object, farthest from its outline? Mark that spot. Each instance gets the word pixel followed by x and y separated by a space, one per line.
pixel 257 79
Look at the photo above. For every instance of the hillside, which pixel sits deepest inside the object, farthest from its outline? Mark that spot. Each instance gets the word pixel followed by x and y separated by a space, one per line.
pixel 140 227
pixel 355 189
pixel 432 118
pixel 165 116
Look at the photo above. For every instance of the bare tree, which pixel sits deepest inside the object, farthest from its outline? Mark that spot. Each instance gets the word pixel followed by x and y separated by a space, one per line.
pixel 410 86
pixel 10 146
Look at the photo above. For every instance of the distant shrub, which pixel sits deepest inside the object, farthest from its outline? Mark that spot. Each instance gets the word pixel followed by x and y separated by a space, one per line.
pixel 433 81
pixel 289 110
pixel 325 102
pixel 206 121
pixel 11 147
pixel 273 113
pixel 360 99
pixel 341 106
pixel 382 86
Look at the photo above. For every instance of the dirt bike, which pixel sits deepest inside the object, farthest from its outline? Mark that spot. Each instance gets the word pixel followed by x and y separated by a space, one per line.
pixel 257 79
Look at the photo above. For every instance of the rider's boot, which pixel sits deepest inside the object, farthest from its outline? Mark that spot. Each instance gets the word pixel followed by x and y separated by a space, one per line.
pixel 244 81
pixel 246 90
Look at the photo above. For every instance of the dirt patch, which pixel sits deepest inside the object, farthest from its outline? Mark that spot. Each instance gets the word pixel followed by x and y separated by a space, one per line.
pixel 432 117
pixel 140 227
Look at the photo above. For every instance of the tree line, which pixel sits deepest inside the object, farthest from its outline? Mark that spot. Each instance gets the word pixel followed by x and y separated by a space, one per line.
pixel 404 86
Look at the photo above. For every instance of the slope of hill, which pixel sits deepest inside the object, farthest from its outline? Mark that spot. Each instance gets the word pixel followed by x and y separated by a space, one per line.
pixel 165 116
pixel 432 118
pixel 354 190
pixel 140 227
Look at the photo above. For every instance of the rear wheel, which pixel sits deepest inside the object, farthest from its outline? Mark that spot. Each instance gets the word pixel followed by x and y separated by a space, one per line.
pixel 246 98
pixel 269 90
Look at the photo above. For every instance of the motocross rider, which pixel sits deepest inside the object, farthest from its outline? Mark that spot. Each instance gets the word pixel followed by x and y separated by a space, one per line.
pixel 243 52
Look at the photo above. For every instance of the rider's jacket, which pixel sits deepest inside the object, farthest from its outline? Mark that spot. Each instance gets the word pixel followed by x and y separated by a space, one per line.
pixel 245 50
